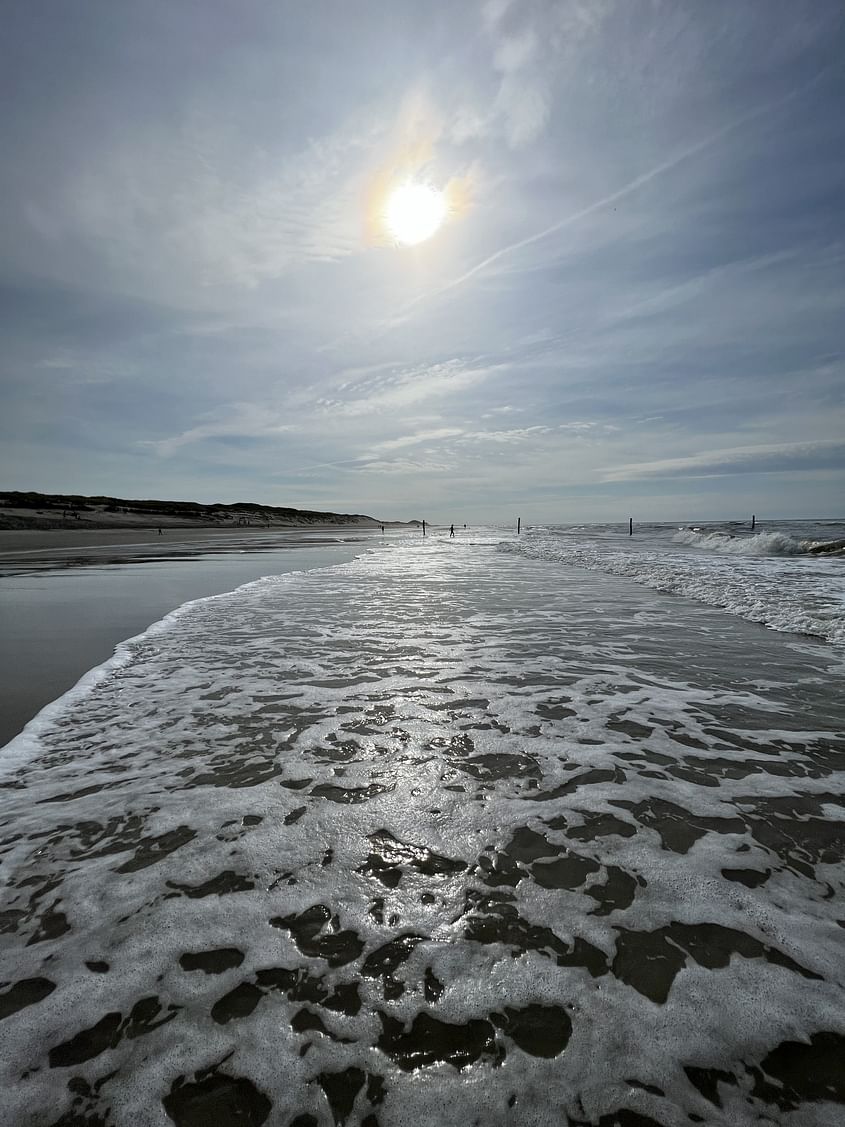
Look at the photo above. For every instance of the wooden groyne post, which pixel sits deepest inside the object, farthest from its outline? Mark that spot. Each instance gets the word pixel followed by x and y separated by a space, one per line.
pixel 630 526
pixel 518 525
pixel 423 528
pixel 753 521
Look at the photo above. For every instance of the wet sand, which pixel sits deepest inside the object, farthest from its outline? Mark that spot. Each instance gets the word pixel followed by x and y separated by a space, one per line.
pixel 20 544
pixel 64 609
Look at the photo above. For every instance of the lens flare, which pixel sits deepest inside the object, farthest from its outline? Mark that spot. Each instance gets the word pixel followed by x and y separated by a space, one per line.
pixel 413 212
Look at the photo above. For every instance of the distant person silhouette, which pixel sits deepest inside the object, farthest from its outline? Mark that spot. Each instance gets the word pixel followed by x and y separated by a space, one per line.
pixel 159 532
pixel 451 530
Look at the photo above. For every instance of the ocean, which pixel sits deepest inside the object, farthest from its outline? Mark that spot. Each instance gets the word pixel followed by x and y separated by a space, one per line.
pixel 485 830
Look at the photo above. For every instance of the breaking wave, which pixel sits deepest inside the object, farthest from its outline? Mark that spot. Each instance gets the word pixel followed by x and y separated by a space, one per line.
pixel 771 578
pixel 763 544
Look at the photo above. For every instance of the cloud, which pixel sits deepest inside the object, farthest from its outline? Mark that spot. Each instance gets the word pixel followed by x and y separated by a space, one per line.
pixel 422 436
pixel 78 368
pixel 60 362
pixel 523 65
pixel 238 420
pixel 679 157
pixel 793 457
pixel 511 437
pixel 406 466
pixel 398 390
pixel 168 202
pixel 531 45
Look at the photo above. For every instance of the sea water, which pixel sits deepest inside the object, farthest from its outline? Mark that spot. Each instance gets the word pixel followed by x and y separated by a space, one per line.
pixel 63 611
pixel 487 831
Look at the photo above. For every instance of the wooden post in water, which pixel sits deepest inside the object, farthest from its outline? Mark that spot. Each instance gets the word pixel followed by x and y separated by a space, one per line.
pixel 518 525
pixel 630 526
pixel 423 528
pixel 753 521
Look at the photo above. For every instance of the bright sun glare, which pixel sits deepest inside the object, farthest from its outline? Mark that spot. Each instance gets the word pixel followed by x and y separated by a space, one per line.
pixel 414 212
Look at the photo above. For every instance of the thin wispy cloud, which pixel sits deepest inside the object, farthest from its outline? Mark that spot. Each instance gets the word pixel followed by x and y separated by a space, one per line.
pixel 238 421
pixel 791 457
pixel 422 436
pixel 406 388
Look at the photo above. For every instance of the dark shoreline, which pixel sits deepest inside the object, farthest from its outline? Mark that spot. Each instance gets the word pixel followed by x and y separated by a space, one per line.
pixel 39 549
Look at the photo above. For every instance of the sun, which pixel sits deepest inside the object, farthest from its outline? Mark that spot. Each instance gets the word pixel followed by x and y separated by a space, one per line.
pixel 414 212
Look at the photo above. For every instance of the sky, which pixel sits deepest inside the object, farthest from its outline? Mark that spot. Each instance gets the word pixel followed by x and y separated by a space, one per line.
pixel 634 306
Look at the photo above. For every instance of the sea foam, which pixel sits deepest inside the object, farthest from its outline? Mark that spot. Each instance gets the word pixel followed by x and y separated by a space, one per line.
pixel 762 544
pixel 441 834
pixel 767 578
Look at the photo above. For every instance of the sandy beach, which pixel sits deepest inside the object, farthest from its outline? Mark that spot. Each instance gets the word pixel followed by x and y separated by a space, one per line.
pixel 18 542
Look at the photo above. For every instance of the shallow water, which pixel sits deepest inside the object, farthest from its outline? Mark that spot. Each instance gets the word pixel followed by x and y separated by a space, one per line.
pixel 440 835
pixel 63 612
pixel 787 575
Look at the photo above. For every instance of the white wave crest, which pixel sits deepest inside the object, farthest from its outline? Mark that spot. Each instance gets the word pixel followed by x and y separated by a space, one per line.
pixel 797 593
pixel 763 544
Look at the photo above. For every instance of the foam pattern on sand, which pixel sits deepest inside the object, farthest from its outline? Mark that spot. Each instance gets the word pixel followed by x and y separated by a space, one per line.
pixel 439 836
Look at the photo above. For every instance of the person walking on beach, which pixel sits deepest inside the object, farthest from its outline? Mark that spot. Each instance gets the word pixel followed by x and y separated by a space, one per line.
pixel 451 530
pixel 159 532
